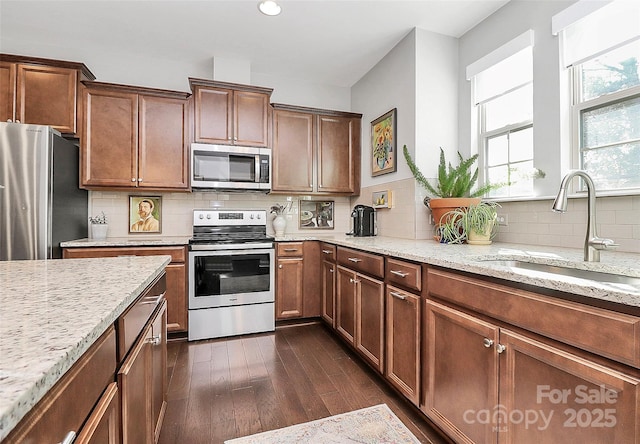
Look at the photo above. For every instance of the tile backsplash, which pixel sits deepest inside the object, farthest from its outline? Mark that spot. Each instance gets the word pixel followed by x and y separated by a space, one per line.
pixel 529 222
pixel 177 210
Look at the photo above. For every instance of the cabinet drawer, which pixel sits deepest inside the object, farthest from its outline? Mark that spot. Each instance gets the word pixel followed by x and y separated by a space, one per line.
pixel 68 404
pixel 360 261
pixel 328 252
pixel 405 274
pixel 131 322
pixel 603 332
pixel 288 249
pixel 178 254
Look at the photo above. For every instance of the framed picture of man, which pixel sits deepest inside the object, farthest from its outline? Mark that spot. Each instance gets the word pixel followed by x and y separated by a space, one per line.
pixel 145 214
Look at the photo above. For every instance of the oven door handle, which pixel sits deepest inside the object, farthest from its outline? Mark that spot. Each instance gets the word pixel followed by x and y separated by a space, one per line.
pixel 209 252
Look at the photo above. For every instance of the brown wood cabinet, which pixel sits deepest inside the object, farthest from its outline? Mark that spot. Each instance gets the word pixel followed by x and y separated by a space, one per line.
pixel 41 91
pixel 134 138
pixel 328 254
pixel 176 272
pixel 103 426
pixel 71 401
pixel 289 280
pixel 315 151
pixel 231 114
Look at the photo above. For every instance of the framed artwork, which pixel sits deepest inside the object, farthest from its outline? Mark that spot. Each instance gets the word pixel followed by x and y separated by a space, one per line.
pixel 383 144
pixel 145 214
pixel 316 214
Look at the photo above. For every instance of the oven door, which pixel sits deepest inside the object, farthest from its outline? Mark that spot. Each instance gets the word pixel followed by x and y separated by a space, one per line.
pixel 224 278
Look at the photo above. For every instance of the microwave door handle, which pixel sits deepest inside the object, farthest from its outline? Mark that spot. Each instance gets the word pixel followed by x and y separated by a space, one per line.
pixel 257 168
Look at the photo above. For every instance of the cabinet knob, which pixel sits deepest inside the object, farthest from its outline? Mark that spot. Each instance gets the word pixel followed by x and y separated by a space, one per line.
pixel 500 348
pixel 140 179
pixel 154 340
pixel 133 179
pixel 330 270
pixel 69 438
pixel 487 342
pixel 353 281
pixel 280 266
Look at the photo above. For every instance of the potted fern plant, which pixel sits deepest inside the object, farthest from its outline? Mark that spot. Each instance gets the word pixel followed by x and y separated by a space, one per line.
pixel 453 187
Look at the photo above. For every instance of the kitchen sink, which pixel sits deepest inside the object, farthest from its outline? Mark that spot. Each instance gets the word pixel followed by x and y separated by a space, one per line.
pixel 545 270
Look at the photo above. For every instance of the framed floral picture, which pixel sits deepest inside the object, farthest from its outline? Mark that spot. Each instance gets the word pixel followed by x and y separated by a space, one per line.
pixel 316 214
pixel 145 214
pixel 383 144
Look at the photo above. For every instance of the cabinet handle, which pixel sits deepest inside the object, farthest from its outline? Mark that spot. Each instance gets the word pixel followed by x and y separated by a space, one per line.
pixel 330 270
pixel 354 259
pixel 153 300
pixel 395 294
pixel 399 273
pixel 69 438
pixel 327 251
pixel 290 250
pixel 501 348
pixel 354 281
pixel 487 342
pixel 154 340
pixel 280 266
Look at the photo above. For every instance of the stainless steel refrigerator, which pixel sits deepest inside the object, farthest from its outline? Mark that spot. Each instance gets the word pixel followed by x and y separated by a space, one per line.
pixel 41 203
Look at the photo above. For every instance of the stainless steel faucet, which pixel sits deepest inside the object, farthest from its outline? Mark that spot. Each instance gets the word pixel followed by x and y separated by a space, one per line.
pixel 592 243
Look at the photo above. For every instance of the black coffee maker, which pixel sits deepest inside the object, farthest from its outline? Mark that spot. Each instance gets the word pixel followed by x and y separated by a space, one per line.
pixel 364 221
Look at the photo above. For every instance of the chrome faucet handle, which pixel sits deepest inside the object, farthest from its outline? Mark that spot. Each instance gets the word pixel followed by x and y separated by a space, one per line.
pixel 602 244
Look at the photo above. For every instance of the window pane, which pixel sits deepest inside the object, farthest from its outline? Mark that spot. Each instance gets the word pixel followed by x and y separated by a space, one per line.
pixel 618 122
pixel 498 175
pixel 614 167
pixel 521 176
pixel 498 150
pixel 521 145
pixel 615 71
pixel 515 107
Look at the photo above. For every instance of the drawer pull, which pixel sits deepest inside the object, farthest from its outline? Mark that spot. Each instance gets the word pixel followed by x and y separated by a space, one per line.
pixel 153 300
pixel 69 438
pixel 399 273
pixel 354 259
pixel 290 250
pixel 395 294
pixel 327 251
pixel 154 340
pixel 487 342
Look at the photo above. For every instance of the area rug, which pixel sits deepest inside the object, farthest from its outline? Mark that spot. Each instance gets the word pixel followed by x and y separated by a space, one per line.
pixel 376 424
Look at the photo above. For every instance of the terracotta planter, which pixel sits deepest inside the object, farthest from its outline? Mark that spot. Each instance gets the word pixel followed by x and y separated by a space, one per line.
pixel 440 206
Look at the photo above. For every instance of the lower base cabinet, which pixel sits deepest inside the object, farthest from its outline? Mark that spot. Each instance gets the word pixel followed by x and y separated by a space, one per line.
pixel 485 383
pixel 103 426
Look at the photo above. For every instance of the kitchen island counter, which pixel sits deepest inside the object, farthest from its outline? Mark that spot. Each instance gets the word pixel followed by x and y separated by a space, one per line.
pixel 51 312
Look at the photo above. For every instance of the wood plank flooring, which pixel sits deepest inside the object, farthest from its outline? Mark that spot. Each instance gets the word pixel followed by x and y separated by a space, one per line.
pixel 227 388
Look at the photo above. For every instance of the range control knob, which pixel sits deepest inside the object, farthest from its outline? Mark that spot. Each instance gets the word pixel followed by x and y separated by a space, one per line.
pixel 258 216
pixel 208 216
pixel 201 216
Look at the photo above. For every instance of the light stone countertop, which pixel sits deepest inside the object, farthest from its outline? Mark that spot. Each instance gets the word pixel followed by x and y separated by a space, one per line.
pixel 51 312
pixel 138 241
pixel 477 259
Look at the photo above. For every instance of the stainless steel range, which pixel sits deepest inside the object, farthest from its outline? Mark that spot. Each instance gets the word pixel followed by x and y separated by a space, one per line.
pixel 231 274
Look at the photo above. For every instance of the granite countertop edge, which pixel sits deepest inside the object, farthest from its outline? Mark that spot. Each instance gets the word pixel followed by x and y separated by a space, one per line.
pixel 30 387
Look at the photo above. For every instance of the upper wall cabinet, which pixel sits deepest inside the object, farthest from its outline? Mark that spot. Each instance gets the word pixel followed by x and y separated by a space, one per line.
pixel 134 138
pixel 315 151
pixel 41 91
pixel 231 114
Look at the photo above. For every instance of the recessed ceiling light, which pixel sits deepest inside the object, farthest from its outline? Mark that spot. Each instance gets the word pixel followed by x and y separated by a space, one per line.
pixel 269 7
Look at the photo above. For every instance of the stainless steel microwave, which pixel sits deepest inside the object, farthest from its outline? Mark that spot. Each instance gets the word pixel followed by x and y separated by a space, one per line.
pixel 229 167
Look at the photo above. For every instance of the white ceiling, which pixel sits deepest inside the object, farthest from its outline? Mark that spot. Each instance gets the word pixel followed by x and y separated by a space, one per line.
pixel 332 42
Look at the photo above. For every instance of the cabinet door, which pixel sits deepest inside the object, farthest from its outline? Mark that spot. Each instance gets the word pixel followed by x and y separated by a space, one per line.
pixel 292 154
pixel 337 154
pixel 159 370
pixel 370 319
pixel 403 342
pixel 563 397
pixel 163 143
pixel 346 304
pixel 328 292
pixel 7 91
pixel 103 426
pixel 251 118
pixel 47 95
pixel 214 115
pixel 109 152
pixel 177 315
pixel 461 374
pixel 135 382
pixel 289 288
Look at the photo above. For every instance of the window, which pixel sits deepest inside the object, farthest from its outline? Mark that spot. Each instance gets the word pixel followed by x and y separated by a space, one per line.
pixel 601 50
pixel 503 100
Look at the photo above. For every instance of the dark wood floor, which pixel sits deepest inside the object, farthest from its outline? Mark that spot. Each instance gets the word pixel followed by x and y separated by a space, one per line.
pixel 227 388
